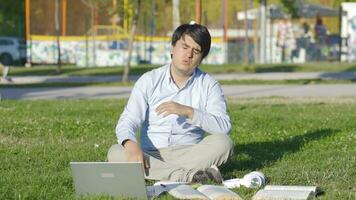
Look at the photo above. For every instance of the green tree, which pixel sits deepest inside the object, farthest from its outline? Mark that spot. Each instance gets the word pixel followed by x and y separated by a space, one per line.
pixel 291 7
pixel 12 18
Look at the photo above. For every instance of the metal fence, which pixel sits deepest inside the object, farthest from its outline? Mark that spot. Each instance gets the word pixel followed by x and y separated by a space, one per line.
pixel 100 41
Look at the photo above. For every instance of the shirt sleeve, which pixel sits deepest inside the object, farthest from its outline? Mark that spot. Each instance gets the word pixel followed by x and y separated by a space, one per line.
pixel 134 113
pixel 214 119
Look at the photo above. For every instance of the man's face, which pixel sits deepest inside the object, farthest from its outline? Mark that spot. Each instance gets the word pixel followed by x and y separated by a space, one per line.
pixel 186 55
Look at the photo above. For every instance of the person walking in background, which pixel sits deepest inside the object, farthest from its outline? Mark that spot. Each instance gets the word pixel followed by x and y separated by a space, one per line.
pixel 320 32
pixel 5 71
pixel 285 39
pixel 174 106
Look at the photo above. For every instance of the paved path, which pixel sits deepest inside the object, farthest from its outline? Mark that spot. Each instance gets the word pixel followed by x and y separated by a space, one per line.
pixel 231 76
pixel 232 91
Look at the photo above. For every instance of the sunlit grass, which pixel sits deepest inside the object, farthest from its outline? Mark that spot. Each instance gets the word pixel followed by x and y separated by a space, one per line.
pixel 293 142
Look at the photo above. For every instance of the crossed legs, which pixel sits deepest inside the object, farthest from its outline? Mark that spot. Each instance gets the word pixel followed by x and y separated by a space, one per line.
pixel 180 163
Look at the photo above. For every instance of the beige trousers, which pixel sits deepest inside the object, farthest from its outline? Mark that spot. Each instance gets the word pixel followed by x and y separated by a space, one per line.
pixel 180 163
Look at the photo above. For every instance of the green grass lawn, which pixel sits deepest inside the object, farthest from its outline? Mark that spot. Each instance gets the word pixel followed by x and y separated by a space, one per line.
pixel 292 142
pixel 226 68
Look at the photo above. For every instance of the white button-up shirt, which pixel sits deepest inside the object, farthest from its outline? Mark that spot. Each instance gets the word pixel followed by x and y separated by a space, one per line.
pixel 201 92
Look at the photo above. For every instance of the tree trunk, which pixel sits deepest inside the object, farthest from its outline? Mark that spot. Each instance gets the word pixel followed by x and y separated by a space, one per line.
pixel 125 76
pixel 92 4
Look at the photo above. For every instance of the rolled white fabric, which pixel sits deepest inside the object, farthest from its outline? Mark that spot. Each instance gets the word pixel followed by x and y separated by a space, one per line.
pixel 254 179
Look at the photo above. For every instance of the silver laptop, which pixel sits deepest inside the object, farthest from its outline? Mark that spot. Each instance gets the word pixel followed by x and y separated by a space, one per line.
pixel 118 179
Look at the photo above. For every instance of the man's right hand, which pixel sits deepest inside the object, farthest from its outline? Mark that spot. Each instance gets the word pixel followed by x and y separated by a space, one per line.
pixel 134 153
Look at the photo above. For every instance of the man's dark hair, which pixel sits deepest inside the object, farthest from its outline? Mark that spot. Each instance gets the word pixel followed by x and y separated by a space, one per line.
pixel 197 32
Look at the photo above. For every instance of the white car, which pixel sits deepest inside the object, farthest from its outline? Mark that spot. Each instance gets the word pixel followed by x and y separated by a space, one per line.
pixel 12 49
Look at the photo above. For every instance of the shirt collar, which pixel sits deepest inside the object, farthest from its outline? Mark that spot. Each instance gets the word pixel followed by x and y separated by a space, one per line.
pixel 169 78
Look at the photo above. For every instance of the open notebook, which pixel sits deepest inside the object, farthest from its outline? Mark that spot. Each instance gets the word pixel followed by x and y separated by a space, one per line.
pixel 183 191
pixel 286 192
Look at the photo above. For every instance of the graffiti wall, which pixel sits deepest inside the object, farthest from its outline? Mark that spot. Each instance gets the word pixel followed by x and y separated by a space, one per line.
pixel 108 53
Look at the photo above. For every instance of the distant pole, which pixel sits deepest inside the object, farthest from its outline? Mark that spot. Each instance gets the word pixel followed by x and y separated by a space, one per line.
pixel 225 20
pixel 152 27
pixel 263 31
pixel 27 5
pixel 56 22
pixel 64 17
pixel 126 16
pixel 92 6
pixel 113 20
pixel 96 13
pixel 255 25
pixel 246 46
pixel 145 15
pixel 114 17
pixel 270 19
pixel 93 34
pixel 175 13
pixel 27 11
pixel 198 11
pixel 86 25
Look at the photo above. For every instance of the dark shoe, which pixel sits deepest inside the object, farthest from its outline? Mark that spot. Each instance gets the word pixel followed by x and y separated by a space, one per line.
pixel 214 174
pixel 211 174
pixel 200 177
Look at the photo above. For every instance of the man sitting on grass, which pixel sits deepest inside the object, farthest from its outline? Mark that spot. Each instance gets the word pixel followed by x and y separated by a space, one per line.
pixel 174 106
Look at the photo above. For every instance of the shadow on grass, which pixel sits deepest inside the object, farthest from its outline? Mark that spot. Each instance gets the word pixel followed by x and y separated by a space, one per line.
pixel 345 75
pixel 276 68
pixel 265 153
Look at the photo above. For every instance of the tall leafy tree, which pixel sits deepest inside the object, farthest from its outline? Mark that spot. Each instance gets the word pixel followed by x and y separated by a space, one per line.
pixel 291 6
pixel 12 19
